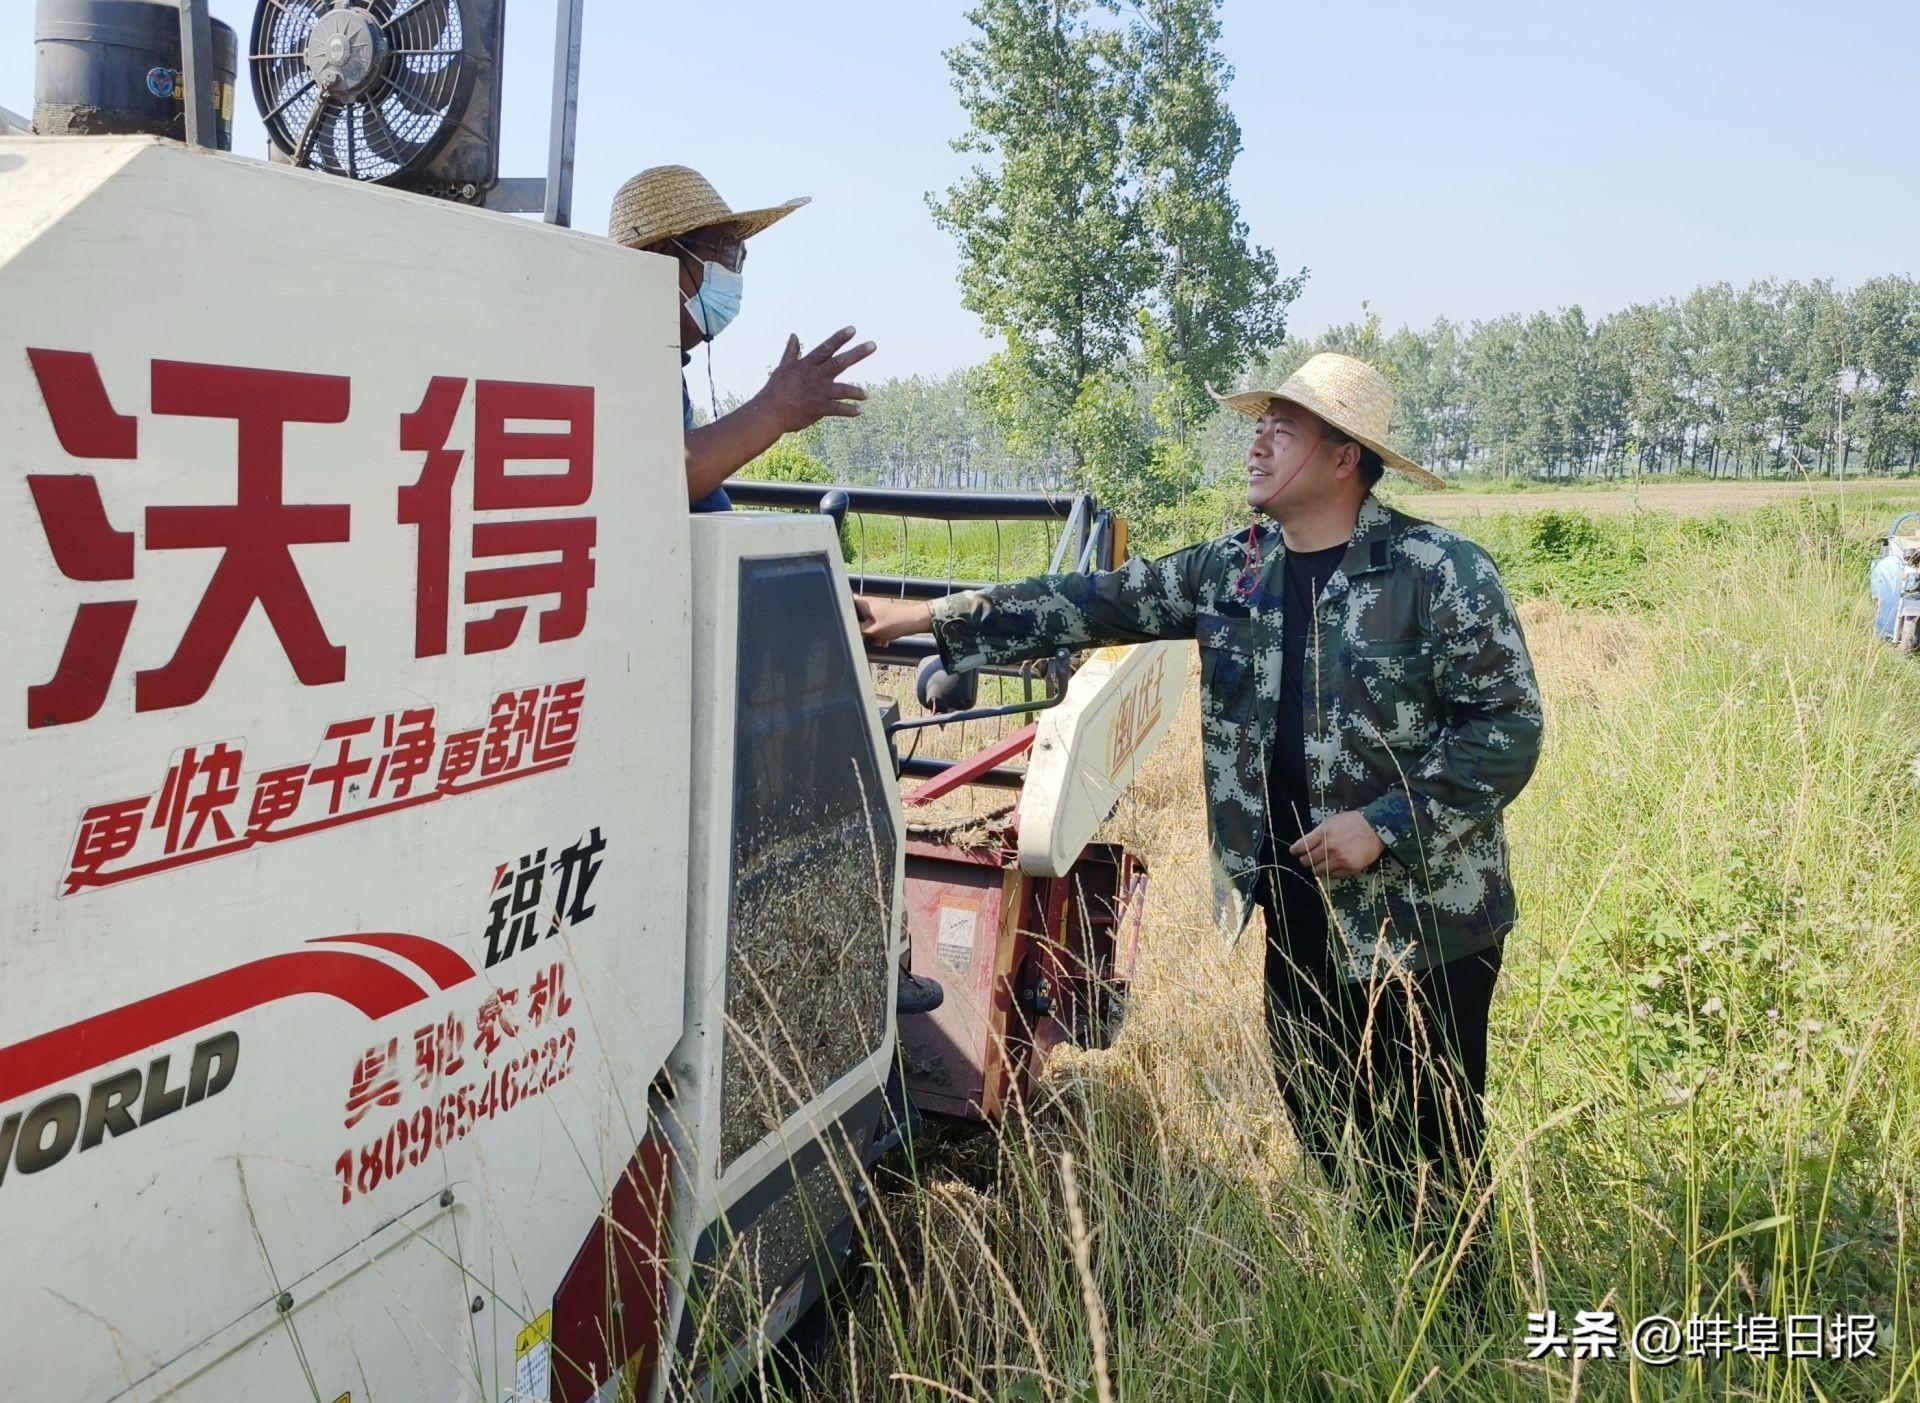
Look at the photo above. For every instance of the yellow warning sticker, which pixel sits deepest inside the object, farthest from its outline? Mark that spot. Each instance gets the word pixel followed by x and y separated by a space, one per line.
pixel 538 1331
pixel 532 1356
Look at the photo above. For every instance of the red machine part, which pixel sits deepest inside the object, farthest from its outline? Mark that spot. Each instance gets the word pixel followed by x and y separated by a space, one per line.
pixel 965 772
pixel 608 1311
pixel 1028 963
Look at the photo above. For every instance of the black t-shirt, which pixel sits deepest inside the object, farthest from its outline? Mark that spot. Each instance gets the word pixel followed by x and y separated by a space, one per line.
pixel 1307 576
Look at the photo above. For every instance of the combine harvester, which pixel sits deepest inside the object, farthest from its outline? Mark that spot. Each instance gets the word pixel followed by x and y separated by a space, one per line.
pixel 457 898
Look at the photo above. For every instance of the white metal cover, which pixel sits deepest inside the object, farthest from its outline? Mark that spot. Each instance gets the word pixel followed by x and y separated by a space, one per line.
pixel 279 460
pixel 1087 750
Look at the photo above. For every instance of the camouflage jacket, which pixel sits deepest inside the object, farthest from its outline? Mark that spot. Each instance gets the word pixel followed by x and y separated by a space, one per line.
pixel 1421 708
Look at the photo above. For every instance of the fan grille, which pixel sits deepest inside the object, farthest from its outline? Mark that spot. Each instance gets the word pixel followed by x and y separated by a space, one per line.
pixel 393 123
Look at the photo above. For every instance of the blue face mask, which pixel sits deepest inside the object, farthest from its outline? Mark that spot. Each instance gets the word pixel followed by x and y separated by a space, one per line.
pixel 718 300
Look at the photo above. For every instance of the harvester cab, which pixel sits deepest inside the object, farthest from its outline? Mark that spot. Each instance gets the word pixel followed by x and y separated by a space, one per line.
pixel 456 899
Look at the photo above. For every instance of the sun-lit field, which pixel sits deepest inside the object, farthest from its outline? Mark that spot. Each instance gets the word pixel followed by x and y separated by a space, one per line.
pixel 1697 497
pixel 1706 1042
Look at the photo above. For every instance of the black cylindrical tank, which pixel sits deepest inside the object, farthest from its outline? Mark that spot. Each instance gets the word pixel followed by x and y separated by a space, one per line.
pixel 113 66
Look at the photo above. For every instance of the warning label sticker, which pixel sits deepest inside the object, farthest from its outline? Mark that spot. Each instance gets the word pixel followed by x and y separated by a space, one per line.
pixel 958 927
pixel 532 1360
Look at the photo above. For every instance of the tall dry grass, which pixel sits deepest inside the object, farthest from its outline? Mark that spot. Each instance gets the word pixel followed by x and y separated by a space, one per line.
pixel 1702 1085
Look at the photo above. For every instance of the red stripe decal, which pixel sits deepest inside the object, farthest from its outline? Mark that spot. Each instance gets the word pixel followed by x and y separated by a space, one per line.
pixel 444 965
pixel 374 988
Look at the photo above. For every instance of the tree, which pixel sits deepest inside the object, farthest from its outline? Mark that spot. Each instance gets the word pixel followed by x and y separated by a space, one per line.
pixel 1217 301
pixel 791 458
pixel 1492 360
pixel 1049 247
pixel 1886 325
pixel 1099 236
pixel 1635 350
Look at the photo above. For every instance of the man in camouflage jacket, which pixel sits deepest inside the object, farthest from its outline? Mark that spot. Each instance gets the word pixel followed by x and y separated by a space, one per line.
pixel 1397 650
pixel 1424 717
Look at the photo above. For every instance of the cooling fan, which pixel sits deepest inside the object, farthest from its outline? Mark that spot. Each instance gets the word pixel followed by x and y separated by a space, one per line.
pixel 373 90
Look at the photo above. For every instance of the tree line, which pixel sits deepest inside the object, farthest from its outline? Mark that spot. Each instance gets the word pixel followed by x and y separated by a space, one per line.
pixel 1774 379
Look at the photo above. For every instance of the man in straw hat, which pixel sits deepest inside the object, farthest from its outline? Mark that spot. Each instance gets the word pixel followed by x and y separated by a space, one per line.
pixel 674 211
pixel 1368 708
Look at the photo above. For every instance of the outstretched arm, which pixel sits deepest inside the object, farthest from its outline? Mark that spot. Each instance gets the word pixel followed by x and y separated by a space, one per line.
pixel 1141 601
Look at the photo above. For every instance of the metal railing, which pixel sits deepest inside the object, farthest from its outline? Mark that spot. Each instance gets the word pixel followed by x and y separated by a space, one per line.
pixel 1087 540
pixel 925 504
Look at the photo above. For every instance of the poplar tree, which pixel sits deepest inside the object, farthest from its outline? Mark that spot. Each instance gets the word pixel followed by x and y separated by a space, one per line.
pixel 1051 258
pixel 1099 235
pixel 1218 301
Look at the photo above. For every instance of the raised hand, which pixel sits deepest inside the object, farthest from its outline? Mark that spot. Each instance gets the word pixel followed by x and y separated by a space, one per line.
pixel 804 389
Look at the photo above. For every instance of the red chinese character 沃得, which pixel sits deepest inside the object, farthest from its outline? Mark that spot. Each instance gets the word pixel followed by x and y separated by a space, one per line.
pixel 84 544
pixel 255 534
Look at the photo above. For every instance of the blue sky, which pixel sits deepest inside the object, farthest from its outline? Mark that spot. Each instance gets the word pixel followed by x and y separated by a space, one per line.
pixel 1435 159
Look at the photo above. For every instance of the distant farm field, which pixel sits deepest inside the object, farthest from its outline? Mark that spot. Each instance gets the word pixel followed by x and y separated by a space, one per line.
pixel 1687 498
pixel 977 550
pixel 1705 1078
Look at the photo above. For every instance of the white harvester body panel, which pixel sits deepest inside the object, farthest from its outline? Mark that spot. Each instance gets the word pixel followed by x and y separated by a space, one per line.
pixel 1117 710
pixel 345 903
pixel 454 906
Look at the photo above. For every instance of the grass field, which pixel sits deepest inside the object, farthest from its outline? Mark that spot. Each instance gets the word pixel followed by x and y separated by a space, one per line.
pixel 1692 497
pixel 975 550
pixel 1706 1039
pixel 1686 496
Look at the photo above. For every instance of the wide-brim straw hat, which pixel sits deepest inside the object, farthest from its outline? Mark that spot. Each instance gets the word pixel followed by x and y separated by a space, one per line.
pixel 667 202
pixel 1350 395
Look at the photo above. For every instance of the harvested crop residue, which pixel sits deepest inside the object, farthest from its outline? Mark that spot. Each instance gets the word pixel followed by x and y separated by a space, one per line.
pixel 807 968
pixel 1583 655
